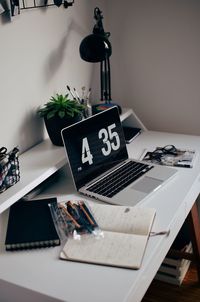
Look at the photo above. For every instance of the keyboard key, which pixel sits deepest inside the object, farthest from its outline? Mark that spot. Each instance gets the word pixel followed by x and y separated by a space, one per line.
pixel 119 179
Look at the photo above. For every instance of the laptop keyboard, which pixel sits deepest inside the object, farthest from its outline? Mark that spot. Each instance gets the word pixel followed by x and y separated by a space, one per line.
pixel 119 179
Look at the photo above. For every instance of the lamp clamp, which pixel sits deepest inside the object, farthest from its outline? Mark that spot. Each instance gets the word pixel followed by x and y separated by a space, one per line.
pixel 98 27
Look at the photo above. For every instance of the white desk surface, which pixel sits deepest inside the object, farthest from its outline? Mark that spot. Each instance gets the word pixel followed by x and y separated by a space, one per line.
pixel 51 279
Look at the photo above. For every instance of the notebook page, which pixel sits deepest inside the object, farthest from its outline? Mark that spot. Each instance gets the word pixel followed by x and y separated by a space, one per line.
pixel 115 249
pixel 132 220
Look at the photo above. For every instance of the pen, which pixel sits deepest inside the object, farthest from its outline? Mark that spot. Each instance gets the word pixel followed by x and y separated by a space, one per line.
pixel 83 93
pixel 87 212
pixel 71 208
pixel 79 216
pixel 74 97
pixel 184 166
pixel 85 222
pixel 76 93
pixel 89 92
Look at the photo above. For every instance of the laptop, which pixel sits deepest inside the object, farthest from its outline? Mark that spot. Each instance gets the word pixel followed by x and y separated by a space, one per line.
pixel 98 159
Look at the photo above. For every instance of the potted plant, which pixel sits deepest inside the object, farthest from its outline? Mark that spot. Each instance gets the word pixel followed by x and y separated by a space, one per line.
pixel 59 113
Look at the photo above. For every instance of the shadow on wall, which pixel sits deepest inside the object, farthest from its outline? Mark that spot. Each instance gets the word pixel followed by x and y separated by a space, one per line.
pixel 31 130
pixel 57 55
pixel 55 59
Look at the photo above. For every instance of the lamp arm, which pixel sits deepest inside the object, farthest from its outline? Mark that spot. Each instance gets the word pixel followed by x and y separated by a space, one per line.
pixel 109 81
pixel 101 80
pixel 105 81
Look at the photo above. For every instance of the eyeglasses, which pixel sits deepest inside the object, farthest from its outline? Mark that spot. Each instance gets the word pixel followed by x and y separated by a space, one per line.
pixel 160 152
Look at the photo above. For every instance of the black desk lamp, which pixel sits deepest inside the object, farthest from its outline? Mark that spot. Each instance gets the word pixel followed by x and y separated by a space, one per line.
pixel 97 48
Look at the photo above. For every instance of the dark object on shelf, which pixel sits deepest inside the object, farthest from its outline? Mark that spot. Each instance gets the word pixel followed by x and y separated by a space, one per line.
pixel 34 4
pixel 175 265
pixel 55 124
pixel 183 238
pixel 58 113
pixel 31 225
pixel 101 107
pixel 97 48
pixel 130 133
pixel 9 168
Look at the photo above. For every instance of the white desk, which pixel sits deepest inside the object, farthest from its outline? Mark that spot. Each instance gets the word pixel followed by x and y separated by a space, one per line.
pixel 39 275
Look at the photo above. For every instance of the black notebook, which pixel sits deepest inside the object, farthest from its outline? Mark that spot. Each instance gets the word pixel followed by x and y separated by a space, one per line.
pixel 130 133
pixel 30 225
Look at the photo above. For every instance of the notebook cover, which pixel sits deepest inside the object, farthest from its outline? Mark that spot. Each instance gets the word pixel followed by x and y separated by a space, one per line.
pixel 130 133
pixel 30 225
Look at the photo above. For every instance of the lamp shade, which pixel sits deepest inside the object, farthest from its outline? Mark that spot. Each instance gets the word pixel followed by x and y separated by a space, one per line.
pixel 95 48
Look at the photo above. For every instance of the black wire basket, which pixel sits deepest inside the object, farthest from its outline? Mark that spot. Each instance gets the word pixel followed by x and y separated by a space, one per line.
pixel 9 168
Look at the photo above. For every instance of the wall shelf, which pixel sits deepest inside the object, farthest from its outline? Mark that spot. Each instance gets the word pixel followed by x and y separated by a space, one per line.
pixel 36 165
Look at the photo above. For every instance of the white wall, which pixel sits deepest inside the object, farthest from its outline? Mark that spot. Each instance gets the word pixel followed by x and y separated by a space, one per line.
pixel 39 56
pixel 156 61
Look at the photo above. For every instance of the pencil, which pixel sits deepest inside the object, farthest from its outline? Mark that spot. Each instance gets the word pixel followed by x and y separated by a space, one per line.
pixel 70 216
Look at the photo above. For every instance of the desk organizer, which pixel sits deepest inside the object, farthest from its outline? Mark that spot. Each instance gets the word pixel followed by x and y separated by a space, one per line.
pixel 16 5
pixel 9 168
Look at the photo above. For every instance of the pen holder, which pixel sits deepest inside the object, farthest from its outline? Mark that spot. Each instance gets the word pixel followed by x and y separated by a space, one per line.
pixel 9 168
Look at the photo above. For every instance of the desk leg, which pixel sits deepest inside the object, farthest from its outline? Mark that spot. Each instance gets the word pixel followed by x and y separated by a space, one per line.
pixel 194 230
pixel 194 225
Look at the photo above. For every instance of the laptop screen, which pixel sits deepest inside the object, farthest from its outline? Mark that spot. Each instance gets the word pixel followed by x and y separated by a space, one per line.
pixel 94 145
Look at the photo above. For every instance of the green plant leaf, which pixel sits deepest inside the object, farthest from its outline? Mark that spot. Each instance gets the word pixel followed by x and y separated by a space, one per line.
pixel 61 106
pixel 61 114
pixel 50 114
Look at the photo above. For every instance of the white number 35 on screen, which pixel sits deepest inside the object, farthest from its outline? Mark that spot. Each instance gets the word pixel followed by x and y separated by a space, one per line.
pixel 110 139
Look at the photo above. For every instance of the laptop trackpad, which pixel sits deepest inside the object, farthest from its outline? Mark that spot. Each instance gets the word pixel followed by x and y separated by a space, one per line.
pixel 147 184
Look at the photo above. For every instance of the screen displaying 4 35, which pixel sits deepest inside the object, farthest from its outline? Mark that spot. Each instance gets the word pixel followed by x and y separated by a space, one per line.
pixel 92 148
